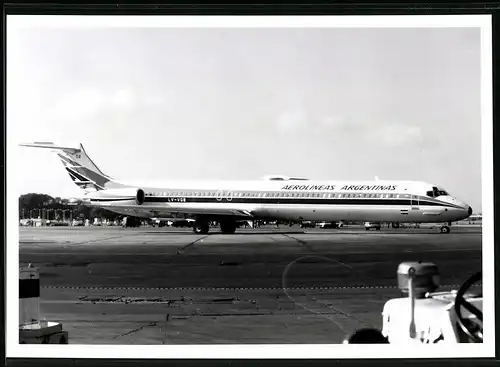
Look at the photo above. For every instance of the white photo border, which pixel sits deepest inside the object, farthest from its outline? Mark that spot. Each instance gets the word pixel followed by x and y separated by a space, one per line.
pixel 268 351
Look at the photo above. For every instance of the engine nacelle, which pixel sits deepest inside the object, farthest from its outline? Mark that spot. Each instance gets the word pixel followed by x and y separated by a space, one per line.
pixel 140 197
pixel 130 193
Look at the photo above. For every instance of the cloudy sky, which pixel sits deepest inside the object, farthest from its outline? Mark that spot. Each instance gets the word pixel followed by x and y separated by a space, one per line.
pixel 228 103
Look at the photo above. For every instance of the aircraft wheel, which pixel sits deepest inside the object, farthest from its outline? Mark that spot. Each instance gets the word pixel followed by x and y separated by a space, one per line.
pixel 378 228
pixel 445 229
pixel 201 227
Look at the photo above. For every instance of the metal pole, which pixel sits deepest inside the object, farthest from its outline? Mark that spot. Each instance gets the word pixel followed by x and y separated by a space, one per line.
pixel 411 275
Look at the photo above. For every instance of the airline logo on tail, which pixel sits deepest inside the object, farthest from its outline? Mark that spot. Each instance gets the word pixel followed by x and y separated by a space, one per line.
pixel 82 170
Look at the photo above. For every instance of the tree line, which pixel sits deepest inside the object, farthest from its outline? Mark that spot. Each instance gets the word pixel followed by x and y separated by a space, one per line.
pixel 34 205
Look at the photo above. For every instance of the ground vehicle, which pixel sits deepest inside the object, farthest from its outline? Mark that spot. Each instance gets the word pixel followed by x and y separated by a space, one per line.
pixel 375 225
pixel 307 224
pixel 426 316
pixel 182 223
pixel 131 222
pixel 327 225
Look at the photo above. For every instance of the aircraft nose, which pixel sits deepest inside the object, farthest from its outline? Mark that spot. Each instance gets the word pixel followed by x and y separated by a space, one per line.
pixel 470 211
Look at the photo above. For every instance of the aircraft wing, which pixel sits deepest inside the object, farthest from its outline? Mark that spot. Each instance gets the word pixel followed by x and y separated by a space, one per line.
pixel 148 211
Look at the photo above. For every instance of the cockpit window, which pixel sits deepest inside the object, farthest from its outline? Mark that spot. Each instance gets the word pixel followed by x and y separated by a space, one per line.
pixel 436 192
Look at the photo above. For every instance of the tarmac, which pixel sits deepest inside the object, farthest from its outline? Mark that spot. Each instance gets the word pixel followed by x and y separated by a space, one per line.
pixel 111 285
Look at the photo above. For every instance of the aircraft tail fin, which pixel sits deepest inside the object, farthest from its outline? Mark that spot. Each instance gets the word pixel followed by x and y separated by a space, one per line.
pixel 82 170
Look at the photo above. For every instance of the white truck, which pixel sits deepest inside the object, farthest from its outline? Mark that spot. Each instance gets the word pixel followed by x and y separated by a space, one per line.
pixel 426 316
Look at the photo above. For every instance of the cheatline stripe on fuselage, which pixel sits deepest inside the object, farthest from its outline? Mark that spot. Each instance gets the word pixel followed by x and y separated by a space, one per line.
pixel 303 201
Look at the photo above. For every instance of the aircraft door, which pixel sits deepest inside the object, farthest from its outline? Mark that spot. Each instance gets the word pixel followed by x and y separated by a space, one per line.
pixel 414 202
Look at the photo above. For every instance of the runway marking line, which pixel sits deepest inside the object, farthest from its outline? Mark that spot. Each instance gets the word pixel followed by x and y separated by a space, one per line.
pixel 233 289
pixel 192 243
pixel 305 244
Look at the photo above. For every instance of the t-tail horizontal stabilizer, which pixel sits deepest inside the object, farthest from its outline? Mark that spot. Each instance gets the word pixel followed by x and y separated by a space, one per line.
pixel 82 170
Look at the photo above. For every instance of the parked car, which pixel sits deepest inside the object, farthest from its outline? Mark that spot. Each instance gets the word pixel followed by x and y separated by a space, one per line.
pixel 327 225
pixel 375 225
pixel 307 224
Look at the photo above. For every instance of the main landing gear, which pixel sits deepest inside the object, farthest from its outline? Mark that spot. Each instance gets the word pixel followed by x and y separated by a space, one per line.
pixel 445 229
pixel 201 226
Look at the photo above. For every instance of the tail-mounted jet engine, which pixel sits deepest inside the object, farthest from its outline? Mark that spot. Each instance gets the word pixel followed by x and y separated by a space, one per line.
pixel 130 193
pixel 139 197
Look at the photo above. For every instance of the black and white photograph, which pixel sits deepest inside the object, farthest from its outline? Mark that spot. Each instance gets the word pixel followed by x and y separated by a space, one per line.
pixel 249 187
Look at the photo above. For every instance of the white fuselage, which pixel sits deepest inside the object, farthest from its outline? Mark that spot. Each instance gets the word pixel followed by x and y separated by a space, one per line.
pixel 293 200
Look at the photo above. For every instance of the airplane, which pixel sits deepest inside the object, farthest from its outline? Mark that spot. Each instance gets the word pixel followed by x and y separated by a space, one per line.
pixel 272 198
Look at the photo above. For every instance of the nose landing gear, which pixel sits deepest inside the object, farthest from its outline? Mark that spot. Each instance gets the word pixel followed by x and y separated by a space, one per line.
pixel 445 229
